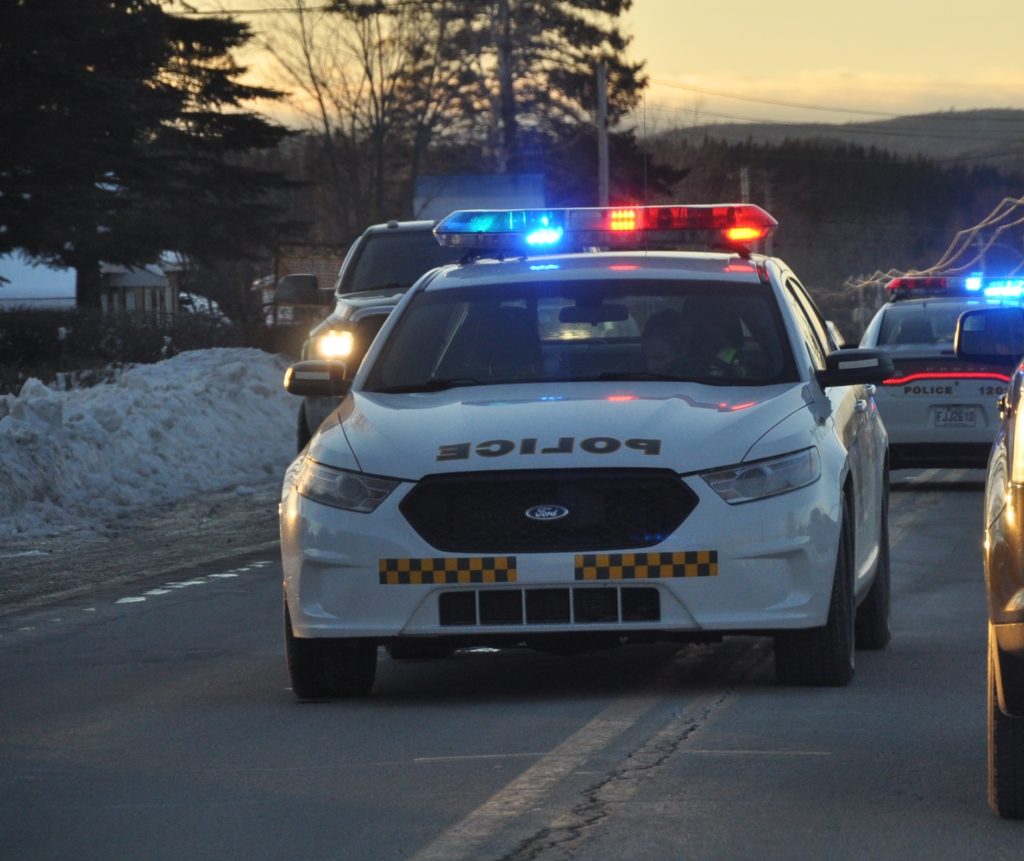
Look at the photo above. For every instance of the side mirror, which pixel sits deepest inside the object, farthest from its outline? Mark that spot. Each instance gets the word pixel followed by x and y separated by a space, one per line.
pixel 322 378
pixel 991 336
pixel 855 367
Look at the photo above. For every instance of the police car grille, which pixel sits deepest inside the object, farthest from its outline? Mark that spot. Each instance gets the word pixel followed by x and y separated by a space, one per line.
pixel 607 509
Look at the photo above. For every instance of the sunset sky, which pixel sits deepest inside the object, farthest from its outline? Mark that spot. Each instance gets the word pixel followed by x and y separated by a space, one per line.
pixel 869 59
pixel 882 56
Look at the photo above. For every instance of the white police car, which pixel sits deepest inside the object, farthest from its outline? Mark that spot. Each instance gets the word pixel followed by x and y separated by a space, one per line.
pixel 562 450
pixel 939 410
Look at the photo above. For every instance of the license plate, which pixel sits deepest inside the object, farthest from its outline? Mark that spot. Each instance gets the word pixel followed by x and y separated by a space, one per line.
pixel 960 417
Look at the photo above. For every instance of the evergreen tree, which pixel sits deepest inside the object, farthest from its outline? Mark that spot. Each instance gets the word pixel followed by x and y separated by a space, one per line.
pixel 536 70
pixel 121 126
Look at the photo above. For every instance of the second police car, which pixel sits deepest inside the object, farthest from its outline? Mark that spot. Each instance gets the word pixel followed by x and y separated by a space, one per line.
pixel 559 448
pixel 938 409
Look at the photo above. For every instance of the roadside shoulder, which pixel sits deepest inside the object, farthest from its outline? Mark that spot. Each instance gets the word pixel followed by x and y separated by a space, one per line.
pixel 164 538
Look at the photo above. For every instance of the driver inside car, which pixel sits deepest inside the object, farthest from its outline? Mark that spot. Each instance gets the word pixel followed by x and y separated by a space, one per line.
pixel 667 341
pixel 718 348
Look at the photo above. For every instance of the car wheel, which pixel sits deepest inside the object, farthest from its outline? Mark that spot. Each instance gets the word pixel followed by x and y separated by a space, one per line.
pixel 1005 751
pixel 419 650
pixel 302 431
pixel 329 667
pixel 824 656
pixel 872 631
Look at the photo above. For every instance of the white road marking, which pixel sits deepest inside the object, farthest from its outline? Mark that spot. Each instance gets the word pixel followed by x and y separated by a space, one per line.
pixel 757 752
pixel 423 760
pixel 527 791
pixel 185 584
pixel 534 788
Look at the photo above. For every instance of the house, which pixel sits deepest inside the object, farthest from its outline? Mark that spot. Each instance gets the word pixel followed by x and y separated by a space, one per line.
pixel 151 290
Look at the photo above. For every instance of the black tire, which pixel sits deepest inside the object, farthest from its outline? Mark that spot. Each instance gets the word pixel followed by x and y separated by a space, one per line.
pixel 824 656
pixel 302 432
pixel 872 630
pixel 1005 751
pixel 327 668
pixel 419 650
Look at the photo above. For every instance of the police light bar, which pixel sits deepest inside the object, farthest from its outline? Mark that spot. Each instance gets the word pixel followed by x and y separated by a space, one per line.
pixel 910 286
pixel 995 288
pixel 972 285
pixel 524 230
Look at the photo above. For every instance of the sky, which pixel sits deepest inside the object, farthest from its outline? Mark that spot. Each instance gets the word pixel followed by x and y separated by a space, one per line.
pixel 869 58
pixel 863 60
pixel 203 420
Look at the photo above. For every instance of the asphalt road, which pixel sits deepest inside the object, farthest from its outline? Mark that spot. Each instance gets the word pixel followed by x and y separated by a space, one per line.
pixel 149 716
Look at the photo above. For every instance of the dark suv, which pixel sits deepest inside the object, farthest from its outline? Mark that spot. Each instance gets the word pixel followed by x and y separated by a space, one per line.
pixel 379 267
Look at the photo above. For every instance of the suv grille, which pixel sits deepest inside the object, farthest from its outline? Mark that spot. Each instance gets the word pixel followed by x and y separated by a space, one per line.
pixel 607 509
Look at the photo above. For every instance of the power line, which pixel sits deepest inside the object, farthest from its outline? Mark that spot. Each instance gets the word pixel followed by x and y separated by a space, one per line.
pixel 809 107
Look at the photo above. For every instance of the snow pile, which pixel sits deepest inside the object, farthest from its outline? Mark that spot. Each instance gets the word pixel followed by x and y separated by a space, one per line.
pixel 202 420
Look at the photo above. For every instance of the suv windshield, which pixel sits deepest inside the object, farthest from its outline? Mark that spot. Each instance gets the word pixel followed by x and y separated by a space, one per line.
pixel 586 330
pixel 395 259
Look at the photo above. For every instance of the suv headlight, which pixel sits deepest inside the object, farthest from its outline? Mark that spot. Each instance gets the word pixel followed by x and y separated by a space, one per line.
pixel 342 488
pixel 746 482
pixel 333 344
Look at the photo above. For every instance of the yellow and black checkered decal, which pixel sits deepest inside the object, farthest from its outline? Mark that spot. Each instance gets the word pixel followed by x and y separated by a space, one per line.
pixel 446 571
pixel 647 566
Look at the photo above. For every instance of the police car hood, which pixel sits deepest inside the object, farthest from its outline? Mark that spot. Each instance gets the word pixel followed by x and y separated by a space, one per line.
pixel 683 428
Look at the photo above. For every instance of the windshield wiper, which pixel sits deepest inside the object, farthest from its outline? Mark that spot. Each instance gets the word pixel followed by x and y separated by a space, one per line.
pixel 643 375
pixel 429 386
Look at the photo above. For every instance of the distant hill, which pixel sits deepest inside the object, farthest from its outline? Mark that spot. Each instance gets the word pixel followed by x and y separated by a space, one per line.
pixel 991 138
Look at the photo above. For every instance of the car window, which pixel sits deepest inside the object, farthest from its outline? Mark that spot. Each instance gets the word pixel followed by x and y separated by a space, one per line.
pixel 919 324
pixel 395 259
pixel 811 325
pixel 581 330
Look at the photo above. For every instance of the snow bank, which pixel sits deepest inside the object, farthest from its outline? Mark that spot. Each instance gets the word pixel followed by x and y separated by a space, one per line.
pixel 202 420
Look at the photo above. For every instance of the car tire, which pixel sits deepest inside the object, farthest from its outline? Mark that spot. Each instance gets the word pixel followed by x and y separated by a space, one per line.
pixel 302 432
pixel 1005 751
pixel 872 629
pixel 419 650
pixel 329 667
pixel 824 656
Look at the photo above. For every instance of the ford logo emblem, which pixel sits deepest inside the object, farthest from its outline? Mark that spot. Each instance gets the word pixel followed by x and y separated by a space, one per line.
pixel 547 512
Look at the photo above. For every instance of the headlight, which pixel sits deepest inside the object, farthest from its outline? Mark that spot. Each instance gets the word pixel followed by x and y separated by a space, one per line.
pixel 759 479
pixel 333 345
pixel 341 488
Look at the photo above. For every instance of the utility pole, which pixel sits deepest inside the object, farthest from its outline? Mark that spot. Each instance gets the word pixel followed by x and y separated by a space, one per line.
pixel 602 133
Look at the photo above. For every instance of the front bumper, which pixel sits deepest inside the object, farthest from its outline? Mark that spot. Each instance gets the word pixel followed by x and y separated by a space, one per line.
pixel 757 567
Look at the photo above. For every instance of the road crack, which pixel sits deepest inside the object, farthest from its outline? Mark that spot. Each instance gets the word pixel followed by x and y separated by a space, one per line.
pixel 564 835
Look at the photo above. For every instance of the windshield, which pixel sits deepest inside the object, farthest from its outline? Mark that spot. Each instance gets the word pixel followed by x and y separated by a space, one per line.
pixel 395 259
pixel 928 323
pixel 586 330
